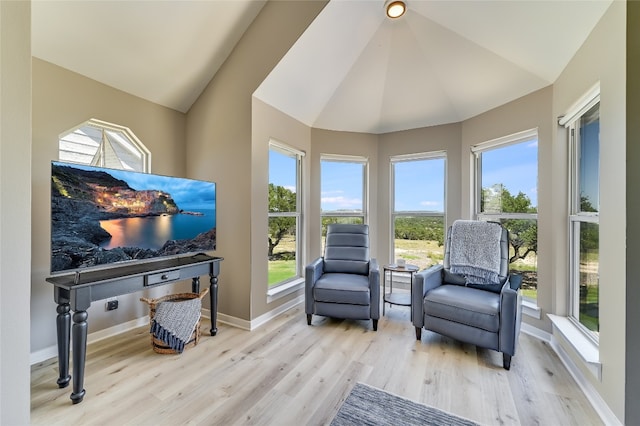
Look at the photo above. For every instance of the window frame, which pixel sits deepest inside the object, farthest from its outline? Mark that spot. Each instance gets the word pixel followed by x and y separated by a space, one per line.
pixel 477 151
pixel 571 121
pixel 393 214
pixel 136 145
pixel 351 159
pixel 298 155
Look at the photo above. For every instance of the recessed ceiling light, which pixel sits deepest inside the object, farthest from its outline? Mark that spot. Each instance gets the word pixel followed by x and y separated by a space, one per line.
pixel 395 8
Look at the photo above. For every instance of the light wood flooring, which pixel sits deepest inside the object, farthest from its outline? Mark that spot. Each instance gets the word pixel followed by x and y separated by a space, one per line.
pixel 288 373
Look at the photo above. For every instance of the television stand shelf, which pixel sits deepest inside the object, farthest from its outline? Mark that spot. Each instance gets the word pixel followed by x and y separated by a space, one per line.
pixel 77 291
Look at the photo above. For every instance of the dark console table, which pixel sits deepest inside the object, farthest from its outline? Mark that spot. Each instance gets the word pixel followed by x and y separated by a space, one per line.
pixel 77 291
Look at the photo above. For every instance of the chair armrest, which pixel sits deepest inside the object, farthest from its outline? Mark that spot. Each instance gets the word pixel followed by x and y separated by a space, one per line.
pixel 374 288
pixel 423 281
pixel 510 318
pixel 312 272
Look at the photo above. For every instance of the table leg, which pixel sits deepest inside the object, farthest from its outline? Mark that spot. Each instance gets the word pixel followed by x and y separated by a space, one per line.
pixel 411 294
pixel 213 299
pixel 63 328
pixel 79 334
pixel 384 290
pixel 195 285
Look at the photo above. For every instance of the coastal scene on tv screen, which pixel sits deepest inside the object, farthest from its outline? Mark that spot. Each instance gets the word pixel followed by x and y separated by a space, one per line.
pixel 102 216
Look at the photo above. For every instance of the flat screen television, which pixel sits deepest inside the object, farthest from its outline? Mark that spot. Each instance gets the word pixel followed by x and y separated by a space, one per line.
pixel 101 217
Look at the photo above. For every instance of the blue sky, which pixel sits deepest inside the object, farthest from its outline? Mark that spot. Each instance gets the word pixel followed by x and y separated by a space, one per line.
pixel 419 185
pixel 187 193
pixel 341 186
pixel 589 163
pixel 282 170
pixel 515 166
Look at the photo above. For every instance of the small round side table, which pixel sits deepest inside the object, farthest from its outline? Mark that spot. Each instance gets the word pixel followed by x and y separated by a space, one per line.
pixel 402 299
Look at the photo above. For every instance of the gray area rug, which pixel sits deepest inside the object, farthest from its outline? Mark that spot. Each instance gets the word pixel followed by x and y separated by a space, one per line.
pixel 367 405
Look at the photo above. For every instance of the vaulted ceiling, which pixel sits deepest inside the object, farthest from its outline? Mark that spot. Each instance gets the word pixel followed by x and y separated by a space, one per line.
pixel 352 70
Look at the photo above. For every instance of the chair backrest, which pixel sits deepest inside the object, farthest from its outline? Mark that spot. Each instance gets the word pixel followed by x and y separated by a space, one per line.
pixel 347 249
pixel 452 278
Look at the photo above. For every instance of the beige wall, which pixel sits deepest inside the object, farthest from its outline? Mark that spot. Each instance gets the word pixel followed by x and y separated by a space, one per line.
pixel 270 124
pixel 602 58
pixel 529 112
pixel 61 101
pixel 15 210
pixel 220 146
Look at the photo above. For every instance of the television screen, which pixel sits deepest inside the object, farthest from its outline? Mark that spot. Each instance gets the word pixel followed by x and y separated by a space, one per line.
pixel 103 216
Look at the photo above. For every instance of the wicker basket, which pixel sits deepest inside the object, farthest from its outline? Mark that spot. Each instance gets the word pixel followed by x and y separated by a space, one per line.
pixel 158 345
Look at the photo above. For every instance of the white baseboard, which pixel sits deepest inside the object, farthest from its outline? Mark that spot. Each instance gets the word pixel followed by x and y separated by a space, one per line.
pixel 52 351
pixel 601 407
pixel 265 318
pixel 43 354
pixel 257 322
pixel 606 415
pixel 535 332
pixel 598 404
pixel 229 320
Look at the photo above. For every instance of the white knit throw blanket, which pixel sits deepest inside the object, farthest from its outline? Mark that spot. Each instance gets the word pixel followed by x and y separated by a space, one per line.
pixel 174 322
pixel 475 251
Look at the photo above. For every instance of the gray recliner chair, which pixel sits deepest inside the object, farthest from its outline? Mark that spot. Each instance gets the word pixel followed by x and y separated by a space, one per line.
pixel 345 283
pixel 451 304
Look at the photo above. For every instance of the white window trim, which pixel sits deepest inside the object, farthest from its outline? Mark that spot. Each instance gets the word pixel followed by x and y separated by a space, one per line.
pixel 284 289
pixel 103 125
pixel 501 142
pixel 293 284
pixel 507 140
pixel 393 214
pixel 586 349
pixel 568 121
pixel 285 149
pixel 581 106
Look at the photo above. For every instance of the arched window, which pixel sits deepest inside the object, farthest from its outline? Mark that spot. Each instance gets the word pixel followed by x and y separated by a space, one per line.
pixel 103 144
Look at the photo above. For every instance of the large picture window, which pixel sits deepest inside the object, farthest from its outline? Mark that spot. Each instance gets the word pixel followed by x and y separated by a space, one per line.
pixel 584 142
pixel 418 200
pixel 343 188
pixel 507 192
pixel 285 214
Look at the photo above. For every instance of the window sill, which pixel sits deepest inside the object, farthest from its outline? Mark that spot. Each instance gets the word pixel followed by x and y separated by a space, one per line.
pixel 583 346
pixel 283 290
pixel 530 309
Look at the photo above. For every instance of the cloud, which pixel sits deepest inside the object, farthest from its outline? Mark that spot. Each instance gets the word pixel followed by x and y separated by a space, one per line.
pixel 341 202
pixel 429 203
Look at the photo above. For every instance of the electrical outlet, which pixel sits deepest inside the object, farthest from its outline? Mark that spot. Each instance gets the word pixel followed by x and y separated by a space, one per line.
pixel 112 305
